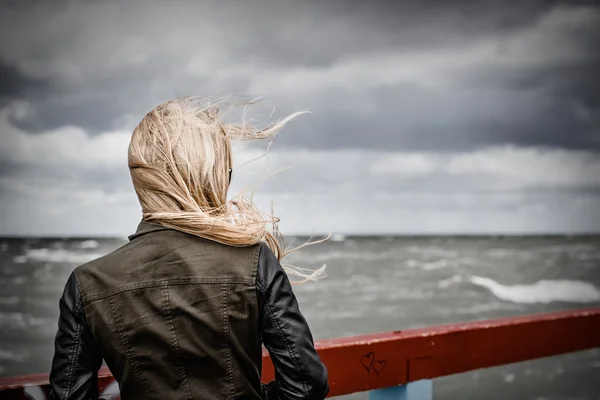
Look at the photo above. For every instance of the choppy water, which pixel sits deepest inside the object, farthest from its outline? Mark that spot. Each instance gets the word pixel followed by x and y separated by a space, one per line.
pixel 375 284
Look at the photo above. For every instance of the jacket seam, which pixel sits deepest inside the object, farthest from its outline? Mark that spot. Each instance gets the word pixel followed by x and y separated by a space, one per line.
pixel 80 302
pixel 257 285
pixel 227 344
pixel 290 349
pixel 125 344
pixel 73 355
pixel 169 282
pixel 83 316
pixel 182 373
pixel 255 262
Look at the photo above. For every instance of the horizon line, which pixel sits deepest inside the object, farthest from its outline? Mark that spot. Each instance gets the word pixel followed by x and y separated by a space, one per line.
pixel 339 235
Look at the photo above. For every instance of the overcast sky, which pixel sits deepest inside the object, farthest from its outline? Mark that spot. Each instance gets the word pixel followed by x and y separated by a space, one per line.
pixel 450 117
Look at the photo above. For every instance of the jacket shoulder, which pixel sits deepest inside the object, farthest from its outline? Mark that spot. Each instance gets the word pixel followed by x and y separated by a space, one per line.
pixel 165 255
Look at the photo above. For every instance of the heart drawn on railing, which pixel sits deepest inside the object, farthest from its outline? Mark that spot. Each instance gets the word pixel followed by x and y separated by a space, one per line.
pixel 378 366
pixel 369 363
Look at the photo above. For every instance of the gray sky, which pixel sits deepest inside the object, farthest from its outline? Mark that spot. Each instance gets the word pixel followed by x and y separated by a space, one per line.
pixel 450 117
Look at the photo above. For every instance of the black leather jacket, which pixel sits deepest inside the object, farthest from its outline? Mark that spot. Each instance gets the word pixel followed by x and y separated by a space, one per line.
pixel 177 316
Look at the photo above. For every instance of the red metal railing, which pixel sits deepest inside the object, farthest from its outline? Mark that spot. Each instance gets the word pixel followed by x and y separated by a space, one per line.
pixel 382 360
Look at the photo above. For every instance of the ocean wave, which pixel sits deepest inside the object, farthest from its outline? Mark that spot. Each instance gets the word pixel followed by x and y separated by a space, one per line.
pixel 502 253
pixel 344 255
pixel 427 265
pixel 88 244
pixel 7 355
pixel 444 283
pixel 55 256
pixel 569 248
pixel 433 251
pixel 12 280
pixel 23 322
pixel 484 308
pixel 408 293
pixel 433 265
pixel 543 291
pixel 338 237
pixel 336 315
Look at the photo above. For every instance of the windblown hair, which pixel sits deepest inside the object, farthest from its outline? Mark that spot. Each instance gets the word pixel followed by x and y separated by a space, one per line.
pixel 180 163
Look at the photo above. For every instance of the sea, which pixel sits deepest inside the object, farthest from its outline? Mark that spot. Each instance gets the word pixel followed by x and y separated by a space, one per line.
pixel 374 284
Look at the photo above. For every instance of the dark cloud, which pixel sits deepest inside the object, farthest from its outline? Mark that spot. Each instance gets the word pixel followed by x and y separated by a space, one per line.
pixel 552 101
pixel 16 85
pixel 481 16
pixel 410 118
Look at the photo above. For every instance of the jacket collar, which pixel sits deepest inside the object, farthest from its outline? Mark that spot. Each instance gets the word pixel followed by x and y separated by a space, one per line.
pixel 147 227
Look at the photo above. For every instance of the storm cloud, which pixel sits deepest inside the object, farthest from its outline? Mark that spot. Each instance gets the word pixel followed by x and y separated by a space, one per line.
pixel 426 117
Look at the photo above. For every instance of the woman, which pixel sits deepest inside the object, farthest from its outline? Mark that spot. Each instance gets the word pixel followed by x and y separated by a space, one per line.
pixel 182 309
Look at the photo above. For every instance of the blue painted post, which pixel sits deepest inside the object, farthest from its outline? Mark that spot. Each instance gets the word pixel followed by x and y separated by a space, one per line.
pixel 419 390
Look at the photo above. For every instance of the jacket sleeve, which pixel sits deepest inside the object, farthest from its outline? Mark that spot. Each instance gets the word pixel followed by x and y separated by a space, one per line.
pixel 74 373
pixel 299 372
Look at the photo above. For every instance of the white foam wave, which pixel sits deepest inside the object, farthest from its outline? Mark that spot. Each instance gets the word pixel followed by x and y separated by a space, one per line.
pixel 444 283
pixel 344 255
pixel 544 291
pixel 88 244
pixel 427 265
pixel 433 265
pixel 55 256
pixel 338 237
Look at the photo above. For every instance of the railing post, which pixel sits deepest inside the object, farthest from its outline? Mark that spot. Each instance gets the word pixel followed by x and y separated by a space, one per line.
pixel 419 390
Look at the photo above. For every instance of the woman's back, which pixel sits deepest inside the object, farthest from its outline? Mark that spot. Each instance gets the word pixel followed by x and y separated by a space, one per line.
pixel 177 316
pixel 172 313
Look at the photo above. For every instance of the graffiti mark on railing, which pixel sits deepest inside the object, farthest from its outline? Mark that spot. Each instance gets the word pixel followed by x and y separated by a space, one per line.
pixel 371 363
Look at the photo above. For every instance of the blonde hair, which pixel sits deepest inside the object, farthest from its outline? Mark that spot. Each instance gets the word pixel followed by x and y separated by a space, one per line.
pixel 180 163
